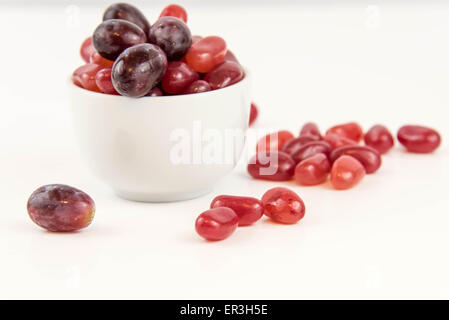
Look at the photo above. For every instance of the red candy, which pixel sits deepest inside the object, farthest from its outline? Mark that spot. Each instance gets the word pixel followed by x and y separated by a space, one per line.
pixel 283 205
pixel 311 149
pixel 349 130
pixel 84 77
pixel 198 86
pixel 86 50
pixel 419 139
pixel 224 75
pixel 230 57
pixel 293 145
pixel 346 172
pixel 336 141
pixel 379 138
pixel 178 77
pixel 367 156
pixel 311 129
pixel 249 210
pixel 155 92
pixel 313 170
pixel 104 82
pixel 174 10
pixel 274 141
pixel 253 113
pixel 97 59
pixel 271 165
pixel 216 224
pixel 206 53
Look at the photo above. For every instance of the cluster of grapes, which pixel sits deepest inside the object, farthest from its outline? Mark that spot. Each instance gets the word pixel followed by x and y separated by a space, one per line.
pixel 128 56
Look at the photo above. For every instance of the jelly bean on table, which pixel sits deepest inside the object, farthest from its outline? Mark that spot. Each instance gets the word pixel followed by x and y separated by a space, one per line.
pixel 310 129
pixel 346 172
pixel 336 141
pixel 419 139
pixel 310 149
pixel 313 170
pixel 370 158
pixel 274 141
pixel 293 145
pixel 253 113
pixel 217 223
pixel 379 138
pixel 248 209
pixel 283 205
pixel 351 130
pixel 271 165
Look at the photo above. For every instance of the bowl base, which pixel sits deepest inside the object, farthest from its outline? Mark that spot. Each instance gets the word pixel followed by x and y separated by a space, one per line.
pixel 160 197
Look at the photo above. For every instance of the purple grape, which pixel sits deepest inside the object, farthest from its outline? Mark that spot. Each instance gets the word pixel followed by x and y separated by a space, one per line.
pixel 138 70
pixel 172 35
pixel 113 36
pixel 127 12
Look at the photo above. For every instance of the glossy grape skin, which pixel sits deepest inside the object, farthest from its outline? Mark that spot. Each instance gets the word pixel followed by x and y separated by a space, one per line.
pixel 155 92
pixel 379 138
pixel 138 70
pixel 283 205
pixel 174 10
pixel 104 81
pixel 86 50
pixel 311 129
pixel 293 145
pixel 172 35
pixel 313 170
pixel 178 77
pixel 60 208
pixel 198 86
pixel 253 113
pixel 113 36
pixel 311 149
pixel 271 165
pixel 351 130
pixel 336 141
pixel 367 156
pixel 248 209
pixel 216 224
pixel 274 141
pixel 346 172
pixel 206 54
pixel 224 75
pixel 419 139
pixel 84 77
pixel 96 58
pixel 127 12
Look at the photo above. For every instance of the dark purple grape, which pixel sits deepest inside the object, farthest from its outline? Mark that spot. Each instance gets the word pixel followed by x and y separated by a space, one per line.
pixel 138 70
pixel 113 36
pixel 127 12
pixel 57 207
pixel 198 86
pixel 172 35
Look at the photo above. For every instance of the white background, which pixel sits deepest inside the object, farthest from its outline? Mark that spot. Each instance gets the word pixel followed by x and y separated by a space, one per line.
pixel 372 62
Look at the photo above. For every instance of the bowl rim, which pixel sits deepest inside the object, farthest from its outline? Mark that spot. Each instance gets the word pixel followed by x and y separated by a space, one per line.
pixel 242 82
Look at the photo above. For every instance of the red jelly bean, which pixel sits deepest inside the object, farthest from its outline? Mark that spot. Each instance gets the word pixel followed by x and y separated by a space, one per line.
pixel 174 10
pixel 271 165
pixel 336 141
pixel 86 50
pixel 155 92
pixel 84 77
pixel 346 172
pixel 97 59
pixel 205 54
pixel 60 208
pixel 216 224
pixel 249 210
pixel 311 129
pixel 198 86
pixel 224 75
pixel 311 149
pixel 349 130
pixel 370 158
pixel 274 141
pixel 313 170
pixel 253 113
pixel 419 139
pixel 195 39
pixel 178 77
pixel 293 145
pixel 379 138
pixel 230 57
pixel 283 205
pixel 104 81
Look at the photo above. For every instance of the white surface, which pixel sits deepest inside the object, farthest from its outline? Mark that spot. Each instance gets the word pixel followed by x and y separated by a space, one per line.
pixel 387 238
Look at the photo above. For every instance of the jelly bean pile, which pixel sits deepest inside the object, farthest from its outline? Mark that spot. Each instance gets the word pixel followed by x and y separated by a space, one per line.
pixel 310 157
pixel 128 56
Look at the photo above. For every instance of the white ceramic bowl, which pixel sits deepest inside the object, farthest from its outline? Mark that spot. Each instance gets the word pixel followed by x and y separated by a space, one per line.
pixel 130 143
